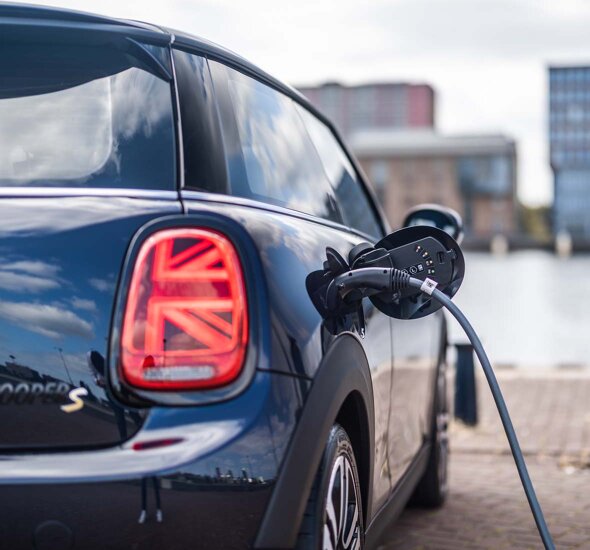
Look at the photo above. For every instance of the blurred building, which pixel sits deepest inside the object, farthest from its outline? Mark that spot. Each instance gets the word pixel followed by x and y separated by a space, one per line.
pixel 569 146
pixel 378 105
pixel 475 175
pixel 390 127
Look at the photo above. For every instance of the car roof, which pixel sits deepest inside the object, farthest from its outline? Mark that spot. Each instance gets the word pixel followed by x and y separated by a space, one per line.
pixel 11 12
pixel 49 13
pixel 220 53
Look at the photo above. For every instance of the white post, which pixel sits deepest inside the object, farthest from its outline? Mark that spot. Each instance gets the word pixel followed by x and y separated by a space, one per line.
pixel 563 244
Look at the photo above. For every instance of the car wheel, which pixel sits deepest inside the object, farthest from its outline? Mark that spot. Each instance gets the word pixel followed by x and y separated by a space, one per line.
pixel 334 514
pixel 432 489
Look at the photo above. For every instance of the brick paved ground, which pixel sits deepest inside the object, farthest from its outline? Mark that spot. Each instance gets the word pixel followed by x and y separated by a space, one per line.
pixel 487 507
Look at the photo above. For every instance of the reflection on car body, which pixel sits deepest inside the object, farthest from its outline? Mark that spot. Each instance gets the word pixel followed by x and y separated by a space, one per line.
pixel 116 136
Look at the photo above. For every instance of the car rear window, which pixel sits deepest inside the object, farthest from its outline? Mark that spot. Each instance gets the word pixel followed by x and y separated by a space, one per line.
pixel 83 115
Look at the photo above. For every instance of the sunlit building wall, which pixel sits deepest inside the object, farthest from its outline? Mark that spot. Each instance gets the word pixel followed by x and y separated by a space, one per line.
pixel 475 175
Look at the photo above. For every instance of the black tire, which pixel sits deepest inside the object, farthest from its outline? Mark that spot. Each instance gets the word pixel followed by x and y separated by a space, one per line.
pixel 432 490
pixel 336 477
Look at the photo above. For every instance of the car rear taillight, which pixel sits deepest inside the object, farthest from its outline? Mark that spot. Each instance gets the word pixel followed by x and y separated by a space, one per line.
pixel 185 325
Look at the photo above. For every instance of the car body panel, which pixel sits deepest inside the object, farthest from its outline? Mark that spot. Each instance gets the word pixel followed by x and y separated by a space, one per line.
pixel 60 263
pixel 223 458
pixel 344 374
pixel 416 356
pixel 221 474
pixel 289 246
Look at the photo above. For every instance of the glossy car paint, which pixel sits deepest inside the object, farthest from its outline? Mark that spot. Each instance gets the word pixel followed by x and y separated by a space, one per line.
pixel 290 247
pixel 61 258
pixel 217 475
pixel 220 474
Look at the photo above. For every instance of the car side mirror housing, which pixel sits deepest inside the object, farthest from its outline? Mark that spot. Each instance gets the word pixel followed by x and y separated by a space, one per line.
pixel 433 215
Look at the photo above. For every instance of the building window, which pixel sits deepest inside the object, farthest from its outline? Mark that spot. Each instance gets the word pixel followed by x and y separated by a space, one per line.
pixel 379 174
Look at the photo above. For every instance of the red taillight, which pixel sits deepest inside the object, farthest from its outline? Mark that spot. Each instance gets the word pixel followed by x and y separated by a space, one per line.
pixel 186 323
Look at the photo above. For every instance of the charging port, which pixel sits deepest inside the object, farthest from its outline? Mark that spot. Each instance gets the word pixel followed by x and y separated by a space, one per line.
pixel 441 257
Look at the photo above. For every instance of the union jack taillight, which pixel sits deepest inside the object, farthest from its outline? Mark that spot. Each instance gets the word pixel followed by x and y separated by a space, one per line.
pixel 185 325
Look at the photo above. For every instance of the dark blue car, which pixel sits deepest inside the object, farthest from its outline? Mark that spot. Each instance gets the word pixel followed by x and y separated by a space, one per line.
pixel 165 379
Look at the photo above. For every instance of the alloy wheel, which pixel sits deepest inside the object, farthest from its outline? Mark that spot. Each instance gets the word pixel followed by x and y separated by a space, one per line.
pixel 342 524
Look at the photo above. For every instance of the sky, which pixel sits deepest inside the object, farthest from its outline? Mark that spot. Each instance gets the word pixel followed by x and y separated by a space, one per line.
pixel 486 59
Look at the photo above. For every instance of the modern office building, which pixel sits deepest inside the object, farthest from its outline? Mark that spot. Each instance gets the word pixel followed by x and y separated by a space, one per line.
pixel 378 105
pixel 569 149
pixel 475 175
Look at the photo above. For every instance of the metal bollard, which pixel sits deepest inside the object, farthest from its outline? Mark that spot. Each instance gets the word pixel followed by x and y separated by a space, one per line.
pixel 465 389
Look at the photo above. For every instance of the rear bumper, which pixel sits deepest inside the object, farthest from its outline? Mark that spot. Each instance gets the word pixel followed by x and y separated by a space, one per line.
pixel 213 486
pixel 106 515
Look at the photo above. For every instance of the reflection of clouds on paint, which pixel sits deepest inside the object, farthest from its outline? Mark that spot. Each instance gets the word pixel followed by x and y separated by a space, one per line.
pixel 28 276
pixel 38 133
pixel 67 213
pixel 33 267
pixel 49 362
pixel 131 89
pixel 48 320
pixel 81 303
pixel 103 285
pixel 276 150
pixel 76 362
pixel 295 237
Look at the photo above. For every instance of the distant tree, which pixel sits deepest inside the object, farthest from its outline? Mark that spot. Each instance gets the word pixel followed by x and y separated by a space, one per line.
pixel 535 222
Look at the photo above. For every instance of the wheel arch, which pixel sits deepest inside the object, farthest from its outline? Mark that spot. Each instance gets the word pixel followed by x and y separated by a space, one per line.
pixel 342 392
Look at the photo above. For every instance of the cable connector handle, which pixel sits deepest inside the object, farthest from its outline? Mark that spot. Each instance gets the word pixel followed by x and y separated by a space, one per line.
pixel 399 280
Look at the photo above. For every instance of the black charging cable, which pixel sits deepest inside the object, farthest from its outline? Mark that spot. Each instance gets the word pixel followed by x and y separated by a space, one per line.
pixel 429 287
pixel 391 280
